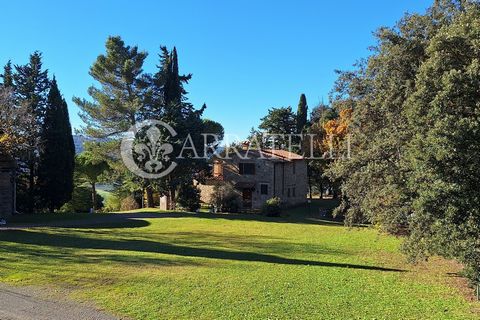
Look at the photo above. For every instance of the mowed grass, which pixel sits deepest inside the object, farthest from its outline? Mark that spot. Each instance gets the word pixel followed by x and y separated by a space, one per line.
pixel 204 266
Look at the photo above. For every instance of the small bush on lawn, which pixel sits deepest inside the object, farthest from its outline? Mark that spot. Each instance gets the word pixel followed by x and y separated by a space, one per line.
pixel 189 197
pixel 112 203
pixel 225 198
pixel 81 201
pixel 129 203
pixel 272 207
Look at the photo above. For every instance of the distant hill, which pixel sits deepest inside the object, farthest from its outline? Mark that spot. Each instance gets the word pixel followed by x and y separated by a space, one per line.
pixel 79 140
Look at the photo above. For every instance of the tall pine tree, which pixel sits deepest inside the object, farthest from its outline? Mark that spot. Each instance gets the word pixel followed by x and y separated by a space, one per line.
pixel 57 153
pixel 118 103
pixel 31 88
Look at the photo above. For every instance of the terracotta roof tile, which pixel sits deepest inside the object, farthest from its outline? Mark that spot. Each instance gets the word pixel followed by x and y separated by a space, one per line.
pixel 283 154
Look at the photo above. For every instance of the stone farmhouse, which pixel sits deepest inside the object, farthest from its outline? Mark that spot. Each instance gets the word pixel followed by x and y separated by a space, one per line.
pixel 259 175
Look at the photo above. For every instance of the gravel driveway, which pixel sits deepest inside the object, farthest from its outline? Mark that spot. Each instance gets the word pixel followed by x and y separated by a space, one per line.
pixel 34 303
pixel 29 303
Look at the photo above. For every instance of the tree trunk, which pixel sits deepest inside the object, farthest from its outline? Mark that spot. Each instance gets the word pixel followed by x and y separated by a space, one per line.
pixel 149 192
pixel 334 192
pixel 94 197
pixel 309 174
pixel 31 187
pixel 321 190
pixel 172 198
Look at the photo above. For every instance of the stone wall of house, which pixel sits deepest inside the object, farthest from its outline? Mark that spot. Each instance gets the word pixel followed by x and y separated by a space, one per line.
pixel 296 182
pixel 291 182
pixel 7 188
pixel 263 175
pixel 206 191
pixel 280 177
pixel 279 189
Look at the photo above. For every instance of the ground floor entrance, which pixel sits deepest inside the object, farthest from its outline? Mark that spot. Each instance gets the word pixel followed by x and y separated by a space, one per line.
pixel 247 198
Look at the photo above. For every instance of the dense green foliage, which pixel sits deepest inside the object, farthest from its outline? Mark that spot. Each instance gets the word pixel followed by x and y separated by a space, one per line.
pixel 313 147
pixel 322 113
pixel 81 201
pixel 88 168
pixel 444 113
pixel 38 134
pixel 112 203
pixel 30 87
pixel 170 105
pixel 117 104
pixel 281 122
pixel 7 76
pixel 128 96
pixel 414 134
pixel 189 197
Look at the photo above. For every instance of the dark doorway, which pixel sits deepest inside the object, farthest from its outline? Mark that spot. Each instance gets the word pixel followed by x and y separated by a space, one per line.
pixel 247 198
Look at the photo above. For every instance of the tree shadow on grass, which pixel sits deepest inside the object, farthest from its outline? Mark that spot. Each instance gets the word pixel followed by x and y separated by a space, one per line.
pixel 121 223
pixel 286 218
pixel 68 241
pixel 38 257
pixel 110 221
pixel 316 213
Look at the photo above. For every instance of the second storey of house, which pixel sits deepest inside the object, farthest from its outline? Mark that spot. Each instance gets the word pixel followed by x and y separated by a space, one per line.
pixel 280 174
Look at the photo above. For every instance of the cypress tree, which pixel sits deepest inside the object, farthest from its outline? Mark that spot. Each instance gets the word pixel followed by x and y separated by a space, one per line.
pixel 172 107
pixel 302 112
pixel 56 162
pixel 69 153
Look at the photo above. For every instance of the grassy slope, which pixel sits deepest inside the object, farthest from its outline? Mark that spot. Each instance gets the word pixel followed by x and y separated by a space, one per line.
pixel 205 266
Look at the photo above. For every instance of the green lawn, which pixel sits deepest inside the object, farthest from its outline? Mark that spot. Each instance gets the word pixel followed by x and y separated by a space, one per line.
pixel 206 266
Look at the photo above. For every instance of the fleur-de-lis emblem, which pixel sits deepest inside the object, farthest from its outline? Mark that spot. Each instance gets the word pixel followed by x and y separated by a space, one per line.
pixel 154 151
pixel 149 155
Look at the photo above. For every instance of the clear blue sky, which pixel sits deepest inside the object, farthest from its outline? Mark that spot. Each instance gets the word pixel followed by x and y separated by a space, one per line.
pixel 245 56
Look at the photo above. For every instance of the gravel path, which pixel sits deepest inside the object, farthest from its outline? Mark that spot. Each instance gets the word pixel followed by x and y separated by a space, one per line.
pixel 34 303
pixel 29 303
